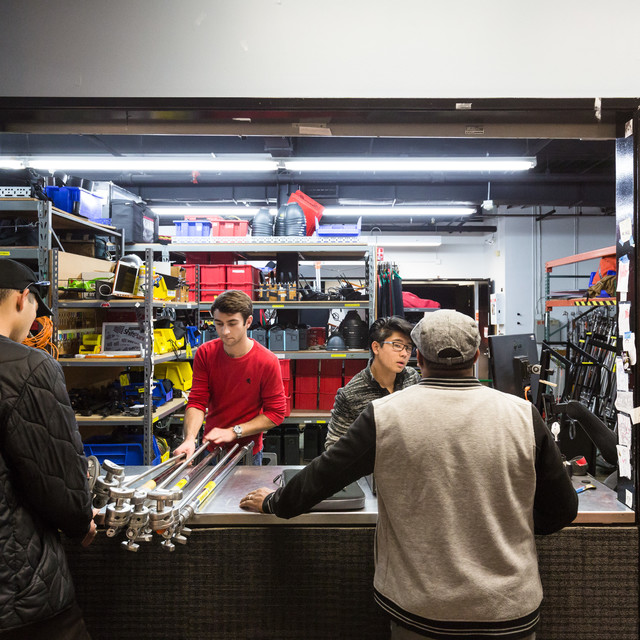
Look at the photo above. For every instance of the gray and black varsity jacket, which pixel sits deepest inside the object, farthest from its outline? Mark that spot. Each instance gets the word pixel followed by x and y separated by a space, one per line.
pixel 466 476
pixel 362 389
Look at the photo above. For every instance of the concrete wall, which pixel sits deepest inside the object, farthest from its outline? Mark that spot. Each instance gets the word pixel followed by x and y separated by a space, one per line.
pixel 304 48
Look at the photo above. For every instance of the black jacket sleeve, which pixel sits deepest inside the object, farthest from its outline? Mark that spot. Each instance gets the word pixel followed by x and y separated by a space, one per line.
pixel 44 450
pixel 555 502
pixel 350 458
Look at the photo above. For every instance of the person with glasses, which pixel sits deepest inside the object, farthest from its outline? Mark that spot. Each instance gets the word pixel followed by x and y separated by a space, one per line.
pixel 387 371
pixel 43 474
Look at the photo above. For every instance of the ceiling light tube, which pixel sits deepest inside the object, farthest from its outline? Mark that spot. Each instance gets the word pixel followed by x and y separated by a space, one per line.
pixel 11 163
pixel 340 165
pixel 181 212
pixel 150 163
pixel 404 211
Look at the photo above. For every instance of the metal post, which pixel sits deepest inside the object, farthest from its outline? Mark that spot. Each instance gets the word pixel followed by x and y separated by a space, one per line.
pixel 53 295
pixel 44 238
pixel 148 357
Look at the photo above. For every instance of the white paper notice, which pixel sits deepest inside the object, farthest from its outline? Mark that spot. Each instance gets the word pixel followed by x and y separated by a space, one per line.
pixel 624 317
pixel 626 229
pixel 624 461
pixel 622 377
pixel 624 401
pixel 629 345
pixel 624 430
pixel 623 275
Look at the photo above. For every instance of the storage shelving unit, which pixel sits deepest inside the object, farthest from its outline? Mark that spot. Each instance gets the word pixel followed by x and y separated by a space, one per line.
pixel 50 221
pixel 258 248
pixel 148 361
pixel 550 304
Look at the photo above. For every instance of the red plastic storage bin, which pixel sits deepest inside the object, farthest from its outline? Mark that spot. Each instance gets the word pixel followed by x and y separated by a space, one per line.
pixel 307 384
pixel 212 281
pixel 351 367
pixel 190 275
pixel 233 227
pixel 305 401
pixel 316 337
pixel 288 405
pixel 325 401
pixel 307 368
pixel 285 368
pixel 243 277
pixel 312 209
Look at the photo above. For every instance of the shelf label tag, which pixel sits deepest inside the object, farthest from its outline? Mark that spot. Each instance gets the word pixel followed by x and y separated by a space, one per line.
pixel 338 355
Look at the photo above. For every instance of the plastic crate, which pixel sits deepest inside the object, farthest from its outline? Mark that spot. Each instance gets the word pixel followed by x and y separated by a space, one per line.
pixel 312 210
pixel 243 277
pixel 285 368
pixel 288 405
pixel 306 384
pixel 352 367
pixel 65 198
pixel 325 401
pixel 212 281
pixel 339 229
pixel 122 453
pixel 307 368
pixel 180 373
pixel 305 400
pixel 233 227
pixel 200 228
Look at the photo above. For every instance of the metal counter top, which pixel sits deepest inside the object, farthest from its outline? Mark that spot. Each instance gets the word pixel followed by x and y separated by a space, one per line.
pixel 599 506
pixel 223 509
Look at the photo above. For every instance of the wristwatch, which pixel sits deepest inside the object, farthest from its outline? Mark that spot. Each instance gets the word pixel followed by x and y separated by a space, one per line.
pixel 238 431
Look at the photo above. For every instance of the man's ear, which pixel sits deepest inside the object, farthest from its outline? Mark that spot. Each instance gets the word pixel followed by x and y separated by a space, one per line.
pixel 22 299
pixel 249 322
pixel 475 358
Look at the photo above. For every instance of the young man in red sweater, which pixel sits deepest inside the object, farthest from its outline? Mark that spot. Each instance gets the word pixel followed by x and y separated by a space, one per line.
pixel 236 382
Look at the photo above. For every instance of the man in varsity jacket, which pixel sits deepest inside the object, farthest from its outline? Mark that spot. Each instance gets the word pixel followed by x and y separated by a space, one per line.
pixel 466 475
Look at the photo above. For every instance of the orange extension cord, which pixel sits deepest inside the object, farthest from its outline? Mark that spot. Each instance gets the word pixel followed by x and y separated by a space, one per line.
pixel 42 339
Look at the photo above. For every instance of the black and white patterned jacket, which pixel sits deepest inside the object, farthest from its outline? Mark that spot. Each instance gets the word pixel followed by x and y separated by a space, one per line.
pixel 357 394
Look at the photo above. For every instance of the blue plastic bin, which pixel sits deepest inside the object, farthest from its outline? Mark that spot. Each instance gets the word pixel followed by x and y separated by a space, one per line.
pixel 201 228
pixel 338 229
pixel 90 205
pixel 122 453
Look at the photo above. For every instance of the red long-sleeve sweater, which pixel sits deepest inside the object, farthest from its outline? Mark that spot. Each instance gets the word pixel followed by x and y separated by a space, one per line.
pixel 235 390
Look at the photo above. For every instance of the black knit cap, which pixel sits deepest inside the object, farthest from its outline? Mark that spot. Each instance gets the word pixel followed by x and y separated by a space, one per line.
pixel 17 276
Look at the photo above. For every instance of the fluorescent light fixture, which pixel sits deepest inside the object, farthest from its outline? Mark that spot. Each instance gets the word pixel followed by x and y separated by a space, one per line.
pixel 407 242
pixel 202 164
pixel 407 165
pixel 180 212
pixel 401 210
pixel 11 163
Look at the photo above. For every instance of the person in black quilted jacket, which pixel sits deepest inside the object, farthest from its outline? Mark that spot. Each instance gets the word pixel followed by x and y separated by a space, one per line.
pixel 43 475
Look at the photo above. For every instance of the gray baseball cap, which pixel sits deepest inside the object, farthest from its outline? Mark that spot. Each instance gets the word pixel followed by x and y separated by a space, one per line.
pixel 446 337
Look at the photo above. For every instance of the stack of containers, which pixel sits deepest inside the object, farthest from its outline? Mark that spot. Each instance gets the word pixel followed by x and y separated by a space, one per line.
pixel 216 278
pixel 330 382
pixel 285 370
pixel 351 367
pixel 306 385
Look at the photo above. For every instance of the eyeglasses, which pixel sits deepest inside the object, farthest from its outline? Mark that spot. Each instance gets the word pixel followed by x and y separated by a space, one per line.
pixel 38 285
pixel 400 346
